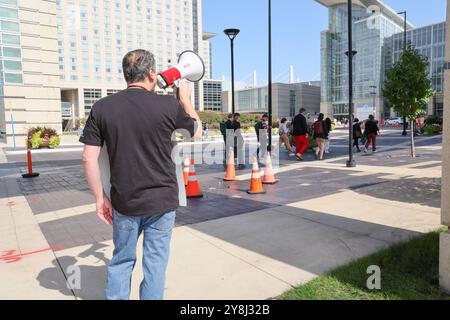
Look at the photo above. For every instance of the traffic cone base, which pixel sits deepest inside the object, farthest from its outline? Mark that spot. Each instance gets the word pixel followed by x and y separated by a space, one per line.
pixel 30 175
pixel 195 197
pixel 275 181
pixel 260 192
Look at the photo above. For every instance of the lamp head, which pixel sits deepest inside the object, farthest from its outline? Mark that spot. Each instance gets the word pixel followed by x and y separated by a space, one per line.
pixel 232 33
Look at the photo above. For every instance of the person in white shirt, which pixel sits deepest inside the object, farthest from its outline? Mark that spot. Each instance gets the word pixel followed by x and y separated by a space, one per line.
pixel 284 135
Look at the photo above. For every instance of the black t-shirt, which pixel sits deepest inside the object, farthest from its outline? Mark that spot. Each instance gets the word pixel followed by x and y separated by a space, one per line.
pixel 137 127
pixel 300 125
pixel 371 127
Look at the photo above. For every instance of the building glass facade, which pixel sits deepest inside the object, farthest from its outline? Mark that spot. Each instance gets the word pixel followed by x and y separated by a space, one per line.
pixel 371 32
pixel 212 95
pixel 11 56
pixel 430 42
pixel 94 35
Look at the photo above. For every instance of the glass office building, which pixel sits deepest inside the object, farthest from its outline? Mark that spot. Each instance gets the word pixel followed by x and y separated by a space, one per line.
pixel 373 25
pixel 430 42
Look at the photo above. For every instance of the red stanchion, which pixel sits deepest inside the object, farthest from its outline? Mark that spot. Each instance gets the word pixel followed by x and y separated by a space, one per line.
pixel 30 173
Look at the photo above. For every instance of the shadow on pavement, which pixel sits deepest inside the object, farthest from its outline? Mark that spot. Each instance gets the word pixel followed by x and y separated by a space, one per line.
pixel 93 274
pixel 423 191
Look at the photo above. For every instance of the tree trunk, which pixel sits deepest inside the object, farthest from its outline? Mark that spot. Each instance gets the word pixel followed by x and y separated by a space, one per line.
pixel 413 146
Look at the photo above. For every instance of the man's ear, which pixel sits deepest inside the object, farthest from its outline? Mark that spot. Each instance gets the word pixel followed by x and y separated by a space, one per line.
pixel 152 76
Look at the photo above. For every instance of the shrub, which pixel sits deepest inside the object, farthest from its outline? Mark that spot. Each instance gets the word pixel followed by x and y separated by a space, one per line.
pixel 35 141
pixel 432 130
pixel 54 141
pixel 38 135
pixel 431 120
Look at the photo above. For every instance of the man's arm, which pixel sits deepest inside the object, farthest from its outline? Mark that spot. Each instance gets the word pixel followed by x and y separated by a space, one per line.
pixel 305 125
pixel 185 101
pixel 92 173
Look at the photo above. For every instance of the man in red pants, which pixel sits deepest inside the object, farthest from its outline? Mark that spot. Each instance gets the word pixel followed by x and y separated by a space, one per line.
pixel 371 131
pixel 301 134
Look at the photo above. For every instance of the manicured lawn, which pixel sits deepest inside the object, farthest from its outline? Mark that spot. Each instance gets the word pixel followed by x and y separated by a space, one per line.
pixel 409 271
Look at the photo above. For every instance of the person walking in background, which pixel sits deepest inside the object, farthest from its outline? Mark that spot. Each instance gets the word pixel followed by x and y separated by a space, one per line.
pixel 225 126
pixel 238 142
pixel 301 134
pixel 284 132
pixel 320 134
pixel 371 131
pixel 137 126
pixel 205 131
pixel 329 128
pixel 357 134
pixel 261 127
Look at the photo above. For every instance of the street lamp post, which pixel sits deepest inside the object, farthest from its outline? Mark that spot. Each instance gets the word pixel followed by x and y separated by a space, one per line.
pixel 269 147
pixel 374 94
pixel 232 33
pixel 404 49
pixel 350 54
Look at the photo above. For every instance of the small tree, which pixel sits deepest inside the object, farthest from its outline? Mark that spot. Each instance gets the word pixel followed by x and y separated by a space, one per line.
pixel 408 88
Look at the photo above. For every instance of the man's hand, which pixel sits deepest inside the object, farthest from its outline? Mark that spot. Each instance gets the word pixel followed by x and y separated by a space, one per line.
pixel 104 210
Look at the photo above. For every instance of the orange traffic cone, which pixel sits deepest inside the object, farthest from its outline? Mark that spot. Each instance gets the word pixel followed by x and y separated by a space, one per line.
pixel 186 166
pixel 256 186
pixel 193 188
pixel 231 168
pixel 269 175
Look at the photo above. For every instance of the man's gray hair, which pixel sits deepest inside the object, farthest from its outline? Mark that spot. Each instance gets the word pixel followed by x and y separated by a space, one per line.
pixel 137 65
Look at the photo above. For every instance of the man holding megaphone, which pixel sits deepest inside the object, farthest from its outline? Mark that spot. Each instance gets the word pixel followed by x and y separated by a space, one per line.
pixel 136 125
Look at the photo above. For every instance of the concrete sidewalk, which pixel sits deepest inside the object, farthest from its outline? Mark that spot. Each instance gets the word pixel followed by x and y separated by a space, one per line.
pixel 261 254
pixel 322 215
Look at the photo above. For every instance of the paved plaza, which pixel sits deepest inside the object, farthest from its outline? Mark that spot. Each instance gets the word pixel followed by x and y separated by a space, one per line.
pixel 227 245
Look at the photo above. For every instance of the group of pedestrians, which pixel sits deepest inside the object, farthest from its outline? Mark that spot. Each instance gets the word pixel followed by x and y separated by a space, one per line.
pixel 320 132
pixel 301 133
pixel 232 135
pixel 369 137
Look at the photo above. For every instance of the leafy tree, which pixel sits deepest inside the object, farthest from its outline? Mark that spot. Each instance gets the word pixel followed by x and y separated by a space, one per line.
pixel 408 88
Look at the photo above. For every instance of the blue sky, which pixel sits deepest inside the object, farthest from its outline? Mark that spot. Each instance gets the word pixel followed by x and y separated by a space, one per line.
pixel 296 34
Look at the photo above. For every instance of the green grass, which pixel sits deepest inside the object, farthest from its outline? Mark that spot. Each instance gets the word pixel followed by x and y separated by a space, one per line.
pixel 409 271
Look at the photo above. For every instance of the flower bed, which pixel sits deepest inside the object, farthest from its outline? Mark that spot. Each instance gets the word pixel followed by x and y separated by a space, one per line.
pixel 42 137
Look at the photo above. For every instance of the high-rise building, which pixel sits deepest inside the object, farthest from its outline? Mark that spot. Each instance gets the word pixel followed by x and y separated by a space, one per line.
pixel 212 95
pixel 58 57
pixel 430 42
pixel 94 35
pixel 29 88
pixel 373 25
pixel 207 53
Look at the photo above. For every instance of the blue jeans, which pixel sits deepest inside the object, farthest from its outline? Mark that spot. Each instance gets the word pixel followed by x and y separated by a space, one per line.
pixel 157 235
